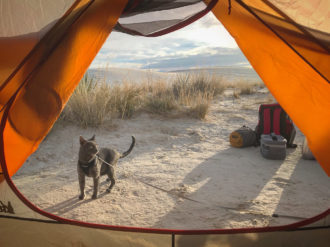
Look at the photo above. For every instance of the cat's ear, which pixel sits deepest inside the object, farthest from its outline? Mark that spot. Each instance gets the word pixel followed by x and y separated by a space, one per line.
pixel 82 140
pixel 93 138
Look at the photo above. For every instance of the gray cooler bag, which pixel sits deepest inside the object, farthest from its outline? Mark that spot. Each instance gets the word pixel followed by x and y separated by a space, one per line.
pixel 273 147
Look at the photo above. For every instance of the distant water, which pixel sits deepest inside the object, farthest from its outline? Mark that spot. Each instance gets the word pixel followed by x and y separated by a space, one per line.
pixel 113 75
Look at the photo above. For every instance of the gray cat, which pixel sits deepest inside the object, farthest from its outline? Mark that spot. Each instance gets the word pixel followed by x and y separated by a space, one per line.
pixel 94 162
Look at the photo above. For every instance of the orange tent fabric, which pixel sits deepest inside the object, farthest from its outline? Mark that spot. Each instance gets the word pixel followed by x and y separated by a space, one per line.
pixel 300 90
pixel 49 74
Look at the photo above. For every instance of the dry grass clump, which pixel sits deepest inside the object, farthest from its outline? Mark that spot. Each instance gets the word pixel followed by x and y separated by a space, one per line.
pixel 88 105
pixel 200 107
pixel 190 85
pixel 194 92
pixel 259 84
pixel 93 102
pixel 188 94
pixel 125 99
pixel 245 88
pixel 159 98
pixel 236 94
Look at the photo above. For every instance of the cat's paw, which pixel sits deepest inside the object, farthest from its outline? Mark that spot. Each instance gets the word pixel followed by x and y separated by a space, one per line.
pixel 94 197
pixel 81 197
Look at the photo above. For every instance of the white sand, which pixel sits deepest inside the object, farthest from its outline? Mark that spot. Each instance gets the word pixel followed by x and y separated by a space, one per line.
pixel 119 75
pixel 182 174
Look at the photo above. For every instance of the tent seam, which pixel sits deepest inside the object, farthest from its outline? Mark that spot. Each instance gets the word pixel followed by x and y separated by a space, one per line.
pixel 38 44
pixel 281 38
pixel 296 24
pixel 175 27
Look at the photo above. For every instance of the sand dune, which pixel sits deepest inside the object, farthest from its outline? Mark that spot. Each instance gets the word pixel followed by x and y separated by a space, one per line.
pixel 115 75
pixel 182 174
pixel 230 74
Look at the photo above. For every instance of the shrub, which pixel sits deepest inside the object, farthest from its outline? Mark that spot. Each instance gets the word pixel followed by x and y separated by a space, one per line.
pixel 92 102
pixel 88 104
pixel 160 98
pixel 125 99
pixel 244 88
pixel 201 107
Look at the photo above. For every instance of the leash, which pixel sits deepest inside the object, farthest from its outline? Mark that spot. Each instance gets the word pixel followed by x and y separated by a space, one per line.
pixel 234 210
pixel 95 157
pixel 167 191
pixel 85 163
pixel 108 164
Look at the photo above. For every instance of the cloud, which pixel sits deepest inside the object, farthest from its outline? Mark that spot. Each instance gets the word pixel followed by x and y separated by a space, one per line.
pixel 182 59
pixel 203 43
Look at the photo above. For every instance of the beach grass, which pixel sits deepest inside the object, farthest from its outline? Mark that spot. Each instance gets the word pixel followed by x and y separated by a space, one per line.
pixel 89 104
pixel 94 102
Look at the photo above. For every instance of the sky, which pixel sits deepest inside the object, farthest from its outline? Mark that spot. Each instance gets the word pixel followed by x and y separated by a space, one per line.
pixel 204 43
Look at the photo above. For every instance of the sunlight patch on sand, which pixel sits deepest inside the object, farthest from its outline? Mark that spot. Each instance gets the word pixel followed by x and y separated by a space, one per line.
pixel 270 195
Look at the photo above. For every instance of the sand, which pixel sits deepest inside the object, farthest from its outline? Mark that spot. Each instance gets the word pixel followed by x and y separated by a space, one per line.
pixel 182 174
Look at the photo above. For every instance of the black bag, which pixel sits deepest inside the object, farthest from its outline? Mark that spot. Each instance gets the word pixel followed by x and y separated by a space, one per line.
pixel 243 137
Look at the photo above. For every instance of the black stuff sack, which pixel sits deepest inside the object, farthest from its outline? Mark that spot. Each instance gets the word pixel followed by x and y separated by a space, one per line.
pixel 243 137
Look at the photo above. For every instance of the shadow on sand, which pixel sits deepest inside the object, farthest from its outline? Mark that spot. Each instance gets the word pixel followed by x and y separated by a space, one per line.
pixel 228 195
pixel 73 202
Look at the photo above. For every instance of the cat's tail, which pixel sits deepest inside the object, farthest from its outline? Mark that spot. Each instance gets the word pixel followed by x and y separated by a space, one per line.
pixel 130 148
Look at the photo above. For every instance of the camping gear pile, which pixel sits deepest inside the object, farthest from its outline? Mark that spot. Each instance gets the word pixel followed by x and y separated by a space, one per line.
pixel 273 119
pixel 274 133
